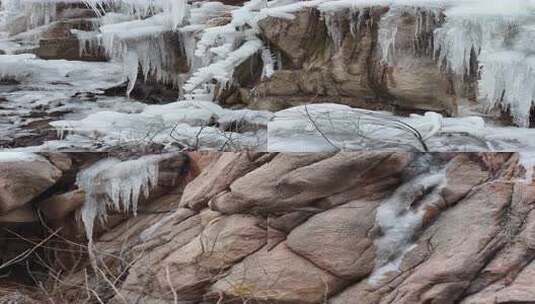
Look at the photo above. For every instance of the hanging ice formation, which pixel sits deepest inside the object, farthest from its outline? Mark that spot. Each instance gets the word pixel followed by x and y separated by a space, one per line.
pixel 23 15
pixel 216 38
pixel 527 161
pixel 213 52
pixel 135 35
pixel 498 33
pixel 114 185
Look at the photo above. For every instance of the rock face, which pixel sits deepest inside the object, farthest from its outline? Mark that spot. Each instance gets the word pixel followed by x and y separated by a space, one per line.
pixel 22 180
pixel 339 57
pixel 59 43
pixel 342 57
pixel 380 227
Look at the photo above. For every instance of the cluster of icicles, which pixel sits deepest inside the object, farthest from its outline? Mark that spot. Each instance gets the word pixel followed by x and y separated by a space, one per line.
pixel 498 32
pixel 213 57
pixel 111 184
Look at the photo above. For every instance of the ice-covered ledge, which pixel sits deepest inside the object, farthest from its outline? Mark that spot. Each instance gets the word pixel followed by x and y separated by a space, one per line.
pixel 451 57
pixel 480 48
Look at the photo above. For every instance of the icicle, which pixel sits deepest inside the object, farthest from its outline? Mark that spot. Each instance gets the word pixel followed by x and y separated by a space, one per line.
pixel 527 161
pixel 269 65
pixel 388 31
pixel 508 78
pixel 116 185
pixel 334 30
pixel 131 62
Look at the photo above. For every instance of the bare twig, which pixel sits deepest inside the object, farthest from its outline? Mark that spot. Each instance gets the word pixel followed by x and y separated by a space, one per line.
pixel 319 130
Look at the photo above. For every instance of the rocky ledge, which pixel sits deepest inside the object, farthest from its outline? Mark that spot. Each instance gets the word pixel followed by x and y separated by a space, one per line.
pixel 369 227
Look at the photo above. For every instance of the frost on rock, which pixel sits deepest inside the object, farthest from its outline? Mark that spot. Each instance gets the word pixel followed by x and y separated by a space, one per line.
pixel 111 184
pixel 399 221
pixel 527 161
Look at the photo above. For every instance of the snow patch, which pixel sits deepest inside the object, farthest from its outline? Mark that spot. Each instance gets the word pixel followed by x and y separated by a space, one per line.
pixel 305 129
pixel 399 221
pixel 10 157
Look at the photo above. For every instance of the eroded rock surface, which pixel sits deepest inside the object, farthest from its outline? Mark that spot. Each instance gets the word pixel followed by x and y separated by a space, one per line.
pixel 380 227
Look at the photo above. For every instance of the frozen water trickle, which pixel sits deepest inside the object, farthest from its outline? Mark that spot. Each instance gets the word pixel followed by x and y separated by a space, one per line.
pixel 399 222
pixel 527 161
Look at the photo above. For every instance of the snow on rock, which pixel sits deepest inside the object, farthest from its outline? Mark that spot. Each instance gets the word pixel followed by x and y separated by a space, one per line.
pixel 192 124
pixel 45 75
pixel 54 88
pixel 217 38
pixel 324 127
pixel 222 70
pixel 174 10
pixel 399 221
pixel 19 157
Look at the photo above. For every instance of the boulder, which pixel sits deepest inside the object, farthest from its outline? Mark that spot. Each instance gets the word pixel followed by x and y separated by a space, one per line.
pixel 337 240
pixel 24 177
pixel 217 178
pixel 291 182
pixel 224 241
pixel 24 214
pixel 61 205
pixel 276 276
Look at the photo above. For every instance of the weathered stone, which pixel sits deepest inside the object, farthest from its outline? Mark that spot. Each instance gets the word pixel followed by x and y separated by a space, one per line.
pixel 224 240
pixel 520 290
pixel 298 39
pixel 210 182
pixel 24 214
pixel 22 181
pixel 60 206
pixel 61 160
pixel 277 275
pixel 457 256
pixel 57 42
pixel 306 231
pixel 287 184
pixel 463 173
pixel 337 240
